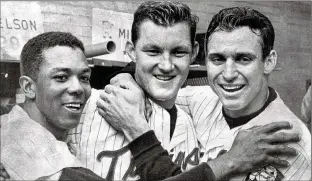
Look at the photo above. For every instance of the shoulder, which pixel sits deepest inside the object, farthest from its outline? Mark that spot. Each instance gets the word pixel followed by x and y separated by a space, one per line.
pixel 190 91
pixel 195 94
pixel 16 116
pixel 197 97
pixel 277 111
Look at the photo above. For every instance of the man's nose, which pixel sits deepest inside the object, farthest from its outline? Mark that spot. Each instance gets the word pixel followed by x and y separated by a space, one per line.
pixel 75 86
pixel 166 64
pixel 230 70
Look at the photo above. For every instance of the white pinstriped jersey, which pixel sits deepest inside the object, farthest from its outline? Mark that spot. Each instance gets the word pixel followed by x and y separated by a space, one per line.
pixel 94 135
pixel 215 135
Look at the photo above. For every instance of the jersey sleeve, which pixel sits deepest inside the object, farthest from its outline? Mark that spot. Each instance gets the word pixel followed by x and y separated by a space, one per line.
pixel 79 173
pixel 152 162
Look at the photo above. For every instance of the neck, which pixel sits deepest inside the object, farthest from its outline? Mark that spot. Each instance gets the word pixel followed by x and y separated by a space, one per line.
pixel 35 114
pixel 254 106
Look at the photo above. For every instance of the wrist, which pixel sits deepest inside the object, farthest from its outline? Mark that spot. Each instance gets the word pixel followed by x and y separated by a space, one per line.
pixel 223 167
pixel 137 130
pixel 146 141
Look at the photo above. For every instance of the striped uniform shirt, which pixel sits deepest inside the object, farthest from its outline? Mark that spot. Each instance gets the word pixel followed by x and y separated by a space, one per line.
pixel 215 134
pixel 94 135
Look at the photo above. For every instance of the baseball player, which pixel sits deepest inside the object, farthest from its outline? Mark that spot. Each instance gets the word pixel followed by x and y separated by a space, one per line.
pixel 55 81
pixel 239 59
pixel 102 148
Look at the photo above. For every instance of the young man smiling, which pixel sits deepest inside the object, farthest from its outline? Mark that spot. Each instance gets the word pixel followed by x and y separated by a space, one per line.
pixel 239 59
pixel 55 81
pixel 163 46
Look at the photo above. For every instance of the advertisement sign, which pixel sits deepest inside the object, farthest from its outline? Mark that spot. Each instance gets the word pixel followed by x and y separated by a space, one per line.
pixel 19 22
pixel 114 26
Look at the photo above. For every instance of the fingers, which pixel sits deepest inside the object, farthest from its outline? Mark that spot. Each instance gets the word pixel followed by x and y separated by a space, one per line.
pixel 104 96
pixel 276 162
pixel 120 77
pixel 281 150
pixel 110 89
pixel 121 80
pixel 102 112
pixel 254 128
pixel 125 81
pixel 103 101
pixel 282 137
pixel 113 90
pixel 275 126
pixel 102 106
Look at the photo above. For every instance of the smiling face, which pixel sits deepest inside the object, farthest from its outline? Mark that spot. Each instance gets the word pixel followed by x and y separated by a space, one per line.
pixel 63 87
pixel 236 70
pixel 163 55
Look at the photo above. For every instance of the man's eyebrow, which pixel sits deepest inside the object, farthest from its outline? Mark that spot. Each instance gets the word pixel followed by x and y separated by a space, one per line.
pixel 182 47
pixel 87 70
pixel 150 46
pixel 60 69
pixel 64 69
pixel 247 54
pixel 210 55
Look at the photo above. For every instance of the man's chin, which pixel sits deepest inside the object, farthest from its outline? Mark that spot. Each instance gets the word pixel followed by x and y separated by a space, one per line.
pixel 164 101
pixel 164 97
pixel 70 124
pixel 231 106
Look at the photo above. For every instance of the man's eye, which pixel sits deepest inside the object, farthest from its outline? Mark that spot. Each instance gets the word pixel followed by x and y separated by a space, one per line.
pixel 60 78
pixel 244 60
pixel 152 52
pixel 217 60
pixel 180 53
pixel 85 78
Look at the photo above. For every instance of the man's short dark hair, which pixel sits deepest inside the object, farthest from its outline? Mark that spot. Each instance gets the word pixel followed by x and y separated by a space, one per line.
pixel 32 57
pixel 230 18
pixel 163 14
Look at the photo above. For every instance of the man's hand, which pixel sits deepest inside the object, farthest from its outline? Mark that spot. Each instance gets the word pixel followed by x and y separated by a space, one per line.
pixel 122 104
pixel 3 174
pixel 254 148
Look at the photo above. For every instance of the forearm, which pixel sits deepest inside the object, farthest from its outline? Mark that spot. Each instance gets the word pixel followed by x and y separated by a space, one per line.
pixel 222 167
pixel 201 172
pixel 152 162
pixel 79 173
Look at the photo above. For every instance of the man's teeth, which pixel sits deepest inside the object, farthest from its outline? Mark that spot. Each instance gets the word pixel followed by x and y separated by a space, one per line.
pixel 161 77
pixel 73 106
pixel 232 87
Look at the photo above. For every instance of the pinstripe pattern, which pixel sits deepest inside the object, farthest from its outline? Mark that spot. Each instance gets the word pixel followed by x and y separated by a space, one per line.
pixel 215 135
pixel 29 151
pixel 94 135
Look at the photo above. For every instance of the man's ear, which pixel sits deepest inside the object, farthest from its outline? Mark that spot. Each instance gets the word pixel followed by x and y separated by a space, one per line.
pixel 195 51
pixel 28 86
pixel 270 62
pixel 130 51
